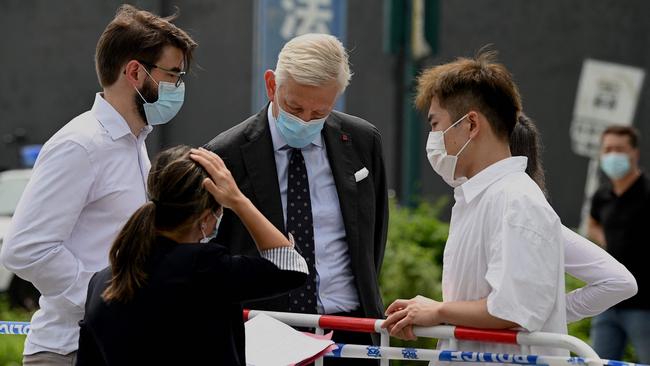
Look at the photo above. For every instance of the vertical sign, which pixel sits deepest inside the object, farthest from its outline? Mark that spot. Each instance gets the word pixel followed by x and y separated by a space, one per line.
pixel 278 21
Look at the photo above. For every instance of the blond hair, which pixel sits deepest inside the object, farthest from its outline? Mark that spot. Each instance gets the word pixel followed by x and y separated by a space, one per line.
pixel 314 59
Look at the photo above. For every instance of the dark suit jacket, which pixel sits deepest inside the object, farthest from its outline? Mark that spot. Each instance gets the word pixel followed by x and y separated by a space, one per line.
pixel 188 313
pixel 352 144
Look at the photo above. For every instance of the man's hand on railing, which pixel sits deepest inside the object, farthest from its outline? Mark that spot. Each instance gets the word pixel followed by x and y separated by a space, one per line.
pixel 402 315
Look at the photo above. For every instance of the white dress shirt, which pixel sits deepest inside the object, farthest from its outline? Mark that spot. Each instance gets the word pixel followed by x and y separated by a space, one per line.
pixel 608 281
pixel 87 181
pixel 337 291
pixel 505 244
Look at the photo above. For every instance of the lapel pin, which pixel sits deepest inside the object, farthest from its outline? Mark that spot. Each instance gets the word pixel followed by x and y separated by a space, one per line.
pixel 345 138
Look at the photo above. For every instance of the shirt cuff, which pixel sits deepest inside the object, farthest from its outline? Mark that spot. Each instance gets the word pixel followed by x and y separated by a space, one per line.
pixel 286 259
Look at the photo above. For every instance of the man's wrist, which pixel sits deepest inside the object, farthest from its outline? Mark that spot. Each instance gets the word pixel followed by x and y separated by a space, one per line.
pixel 441 313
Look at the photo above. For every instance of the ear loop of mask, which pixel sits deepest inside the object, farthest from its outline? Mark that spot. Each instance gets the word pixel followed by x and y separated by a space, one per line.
pixel 203 226
pixel 454 124
pixel 464 146
pixel 154 80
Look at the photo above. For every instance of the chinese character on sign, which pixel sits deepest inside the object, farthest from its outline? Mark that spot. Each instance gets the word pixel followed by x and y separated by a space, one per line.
pixel 373 351
pixel 606 94
pixel 410 353
pixel 306 16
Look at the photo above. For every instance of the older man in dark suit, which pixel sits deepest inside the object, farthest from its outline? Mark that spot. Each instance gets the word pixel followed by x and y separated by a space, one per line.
pixel 317 174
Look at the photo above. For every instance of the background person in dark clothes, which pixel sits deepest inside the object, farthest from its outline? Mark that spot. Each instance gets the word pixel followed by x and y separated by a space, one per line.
pixel 620 214
pixel 169 296
pixel 319 173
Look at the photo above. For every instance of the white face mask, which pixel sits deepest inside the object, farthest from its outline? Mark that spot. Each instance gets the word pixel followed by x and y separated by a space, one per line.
pixel 443 164
pixel 207 238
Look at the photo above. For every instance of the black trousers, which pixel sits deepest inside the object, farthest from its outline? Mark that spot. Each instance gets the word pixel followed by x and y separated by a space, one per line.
pixel 351 338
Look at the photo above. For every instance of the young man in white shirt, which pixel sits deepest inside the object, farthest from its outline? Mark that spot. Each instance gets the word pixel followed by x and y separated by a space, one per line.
pixel 503 264
pixel 91 176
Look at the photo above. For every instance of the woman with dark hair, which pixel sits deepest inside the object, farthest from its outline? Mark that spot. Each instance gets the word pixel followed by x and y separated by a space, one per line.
pixel 608 282
pixel 169 295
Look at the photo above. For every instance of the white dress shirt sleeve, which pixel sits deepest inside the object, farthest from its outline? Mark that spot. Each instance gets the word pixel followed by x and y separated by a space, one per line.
pixel 286 258
pixel 46 215
pixel 523 269
pixel 608 282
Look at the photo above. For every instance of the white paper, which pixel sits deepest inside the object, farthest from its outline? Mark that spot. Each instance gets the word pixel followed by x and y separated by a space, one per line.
pixel 270 342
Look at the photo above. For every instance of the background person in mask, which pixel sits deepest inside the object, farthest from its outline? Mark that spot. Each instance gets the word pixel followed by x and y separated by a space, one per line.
pixel 503 262
pixel 620 213
pixel 90 176
pixel 316 173
pixel 159 269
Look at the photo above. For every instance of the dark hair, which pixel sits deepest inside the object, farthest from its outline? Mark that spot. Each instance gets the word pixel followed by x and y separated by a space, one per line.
pixel 478 83
pixel 629 131
pixel 525 141
pixel 137 35
pixel 175 185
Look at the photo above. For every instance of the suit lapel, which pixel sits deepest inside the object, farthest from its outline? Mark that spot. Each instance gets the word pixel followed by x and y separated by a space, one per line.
pixel 344 162
pixel 259 162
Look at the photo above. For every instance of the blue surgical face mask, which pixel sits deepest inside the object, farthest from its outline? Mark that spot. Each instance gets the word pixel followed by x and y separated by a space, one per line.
pixel 615 165
pixel 296 132
pixel 170 100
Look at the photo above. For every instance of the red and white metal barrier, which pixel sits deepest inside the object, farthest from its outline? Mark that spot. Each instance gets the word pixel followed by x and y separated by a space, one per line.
pixel 384 353
pixel 524 339
pixel 321 322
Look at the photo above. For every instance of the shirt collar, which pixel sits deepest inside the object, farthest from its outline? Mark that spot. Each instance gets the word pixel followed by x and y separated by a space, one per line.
pixel 112 120
pixel 279 143
pixel 486 177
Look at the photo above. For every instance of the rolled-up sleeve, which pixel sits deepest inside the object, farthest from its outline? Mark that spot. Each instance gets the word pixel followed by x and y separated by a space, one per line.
pixel 523 269
pixel 286 259
pixel 44 219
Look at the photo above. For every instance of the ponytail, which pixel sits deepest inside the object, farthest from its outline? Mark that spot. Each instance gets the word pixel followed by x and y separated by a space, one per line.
pixel 525 141
pixel 129 254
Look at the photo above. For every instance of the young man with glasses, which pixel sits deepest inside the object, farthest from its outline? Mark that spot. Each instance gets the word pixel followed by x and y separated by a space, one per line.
pixel 91 176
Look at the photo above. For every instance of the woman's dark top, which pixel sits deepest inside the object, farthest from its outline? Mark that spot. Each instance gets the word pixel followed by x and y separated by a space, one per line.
pixel 188 313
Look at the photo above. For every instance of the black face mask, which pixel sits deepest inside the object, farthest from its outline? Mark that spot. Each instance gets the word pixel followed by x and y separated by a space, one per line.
pixel 149 93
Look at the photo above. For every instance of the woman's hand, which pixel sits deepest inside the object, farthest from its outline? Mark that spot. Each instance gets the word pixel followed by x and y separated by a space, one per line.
pixel 224 189
pixel 221 184
pixel 404 314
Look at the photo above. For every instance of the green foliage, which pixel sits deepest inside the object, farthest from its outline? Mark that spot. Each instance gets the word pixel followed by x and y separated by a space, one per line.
pixel 11 346
pixel 579 329
pixel 413 259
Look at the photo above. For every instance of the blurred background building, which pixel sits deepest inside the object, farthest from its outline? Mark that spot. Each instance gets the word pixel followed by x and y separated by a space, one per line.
pixel 48 76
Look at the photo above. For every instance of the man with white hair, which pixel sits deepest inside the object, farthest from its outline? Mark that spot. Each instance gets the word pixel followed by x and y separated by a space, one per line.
pixel 317 174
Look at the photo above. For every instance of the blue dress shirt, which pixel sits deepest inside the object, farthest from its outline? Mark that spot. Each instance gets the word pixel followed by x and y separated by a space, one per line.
pixel 336 287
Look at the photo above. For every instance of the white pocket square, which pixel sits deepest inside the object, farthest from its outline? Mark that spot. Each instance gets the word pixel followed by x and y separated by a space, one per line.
pixel 361 174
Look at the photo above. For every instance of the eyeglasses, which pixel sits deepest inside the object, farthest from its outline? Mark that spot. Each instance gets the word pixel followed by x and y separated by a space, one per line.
pixel 178 74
